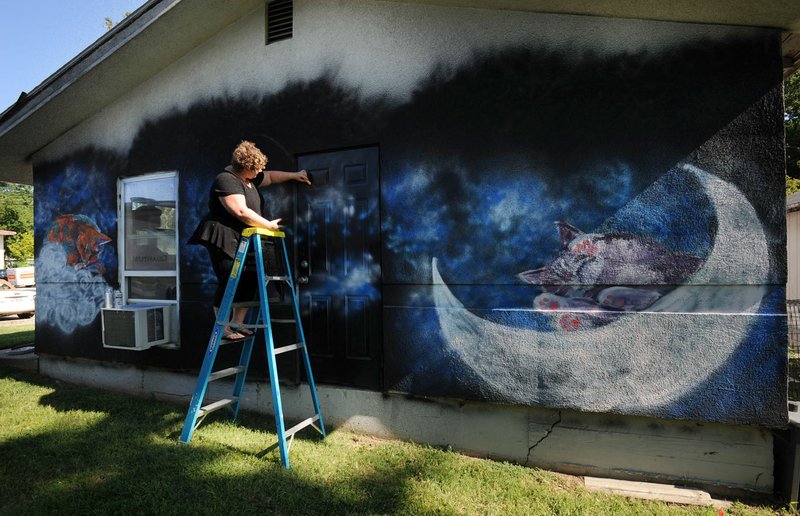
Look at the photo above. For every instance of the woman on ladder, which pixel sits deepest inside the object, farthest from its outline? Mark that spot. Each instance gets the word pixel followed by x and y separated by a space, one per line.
pixel 235 203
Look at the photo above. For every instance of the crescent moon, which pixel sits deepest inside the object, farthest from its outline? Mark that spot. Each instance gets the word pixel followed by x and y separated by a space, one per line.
pixel 643 361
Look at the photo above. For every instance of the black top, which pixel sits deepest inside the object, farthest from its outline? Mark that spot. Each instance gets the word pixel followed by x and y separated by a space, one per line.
pixel 219 228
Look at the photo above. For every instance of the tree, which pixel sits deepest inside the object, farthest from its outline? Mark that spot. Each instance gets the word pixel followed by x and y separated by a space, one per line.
pixel 16 214
pixel 19 248
pixel 791 118
pixel 792 185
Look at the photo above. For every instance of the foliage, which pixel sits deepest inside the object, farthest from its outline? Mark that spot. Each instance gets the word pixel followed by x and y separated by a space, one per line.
pixel 792 184
pixel 19 248
pixel 109 24
pixel 73 450
pixel 16 214
pixel 791 98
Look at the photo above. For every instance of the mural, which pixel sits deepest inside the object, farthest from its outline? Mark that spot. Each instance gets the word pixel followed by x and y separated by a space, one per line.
pixel 75 258
pixel 654 359
pixel 605 330
pixel 81 241
pixel 76 298
pixel 659 291
pixel 670 305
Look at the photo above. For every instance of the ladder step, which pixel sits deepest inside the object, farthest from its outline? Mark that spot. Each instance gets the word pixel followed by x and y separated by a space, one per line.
pixel 211 407
pixel 224 373
pixel 299 426
pixel 225 342
pixel 290 347
pixel 259 326
pixel 246 304
pixel 245 325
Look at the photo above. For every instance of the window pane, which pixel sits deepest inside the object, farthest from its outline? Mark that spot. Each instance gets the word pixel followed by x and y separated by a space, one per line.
pixel 158 288
pixel 150 232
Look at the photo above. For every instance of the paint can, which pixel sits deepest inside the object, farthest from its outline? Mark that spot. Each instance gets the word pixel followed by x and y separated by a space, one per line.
pixel 108 301
pixel 118 299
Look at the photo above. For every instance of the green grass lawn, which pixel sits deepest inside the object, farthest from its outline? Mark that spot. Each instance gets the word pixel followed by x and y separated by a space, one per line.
pixel 66 449
pixel 16 335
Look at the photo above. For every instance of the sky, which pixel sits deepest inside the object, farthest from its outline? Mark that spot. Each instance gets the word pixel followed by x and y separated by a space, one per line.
pixel 37 37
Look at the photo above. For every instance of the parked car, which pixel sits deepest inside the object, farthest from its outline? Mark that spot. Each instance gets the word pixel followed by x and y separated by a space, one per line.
pixel 21 276
pixel 16 301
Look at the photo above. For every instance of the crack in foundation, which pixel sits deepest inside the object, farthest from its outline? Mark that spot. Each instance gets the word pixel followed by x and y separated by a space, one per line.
pixel 545 436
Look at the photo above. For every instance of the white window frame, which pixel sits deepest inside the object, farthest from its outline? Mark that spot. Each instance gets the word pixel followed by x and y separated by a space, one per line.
pixel 123 274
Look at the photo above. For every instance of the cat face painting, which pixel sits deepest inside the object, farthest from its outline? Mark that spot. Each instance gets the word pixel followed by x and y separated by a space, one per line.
pixel 600 272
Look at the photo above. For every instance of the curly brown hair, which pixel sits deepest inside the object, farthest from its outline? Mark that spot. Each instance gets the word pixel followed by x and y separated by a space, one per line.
pixel 247 155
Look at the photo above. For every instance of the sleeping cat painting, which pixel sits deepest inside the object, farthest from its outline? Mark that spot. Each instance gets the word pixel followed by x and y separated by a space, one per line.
pixel 81 239
pixel 602 272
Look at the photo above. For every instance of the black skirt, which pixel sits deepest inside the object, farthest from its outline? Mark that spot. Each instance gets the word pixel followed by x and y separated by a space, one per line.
pixel 214 234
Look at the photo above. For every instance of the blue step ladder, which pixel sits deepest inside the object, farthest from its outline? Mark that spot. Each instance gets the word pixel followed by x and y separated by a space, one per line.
pixel 258 318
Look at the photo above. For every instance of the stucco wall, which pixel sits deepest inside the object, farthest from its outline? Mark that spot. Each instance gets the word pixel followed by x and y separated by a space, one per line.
pixel 658 146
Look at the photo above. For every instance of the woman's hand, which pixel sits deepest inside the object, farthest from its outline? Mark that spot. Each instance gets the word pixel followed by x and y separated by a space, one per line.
pixel 302 176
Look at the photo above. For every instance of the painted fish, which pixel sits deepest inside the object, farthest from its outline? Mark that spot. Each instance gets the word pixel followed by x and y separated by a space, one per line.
pixel 82 241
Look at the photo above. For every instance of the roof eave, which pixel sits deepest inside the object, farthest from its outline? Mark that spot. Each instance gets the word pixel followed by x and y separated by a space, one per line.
pixel 154 36
pixel 161 31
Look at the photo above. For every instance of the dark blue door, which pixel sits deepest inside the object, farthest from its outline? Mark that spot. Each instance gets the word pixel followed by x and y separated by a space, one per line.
pixel 338 266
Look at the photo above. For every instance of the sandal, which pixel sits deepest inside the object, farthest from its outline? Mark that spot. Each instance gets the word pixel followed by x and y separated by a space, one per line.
pixel 247 332
pixel 232 335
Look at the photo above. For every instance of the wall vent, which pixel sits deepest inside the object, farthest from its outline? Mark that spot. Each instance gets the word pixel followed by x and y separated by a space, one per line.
pixel 279 20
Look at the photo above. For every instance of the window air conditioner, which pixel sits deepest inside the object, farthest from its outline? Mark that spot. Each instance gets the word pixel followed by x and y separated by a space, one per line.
pixel 136 327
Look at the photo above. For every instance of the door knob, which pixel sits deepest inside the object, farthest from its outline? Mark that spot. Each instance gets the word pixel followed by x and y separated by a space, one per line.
pixel 302 280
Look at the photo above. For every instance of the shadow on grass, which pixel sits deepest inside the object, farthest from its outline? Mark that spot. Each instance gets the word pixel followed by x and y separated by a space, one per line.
pixel 16 335
pixel 103 453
